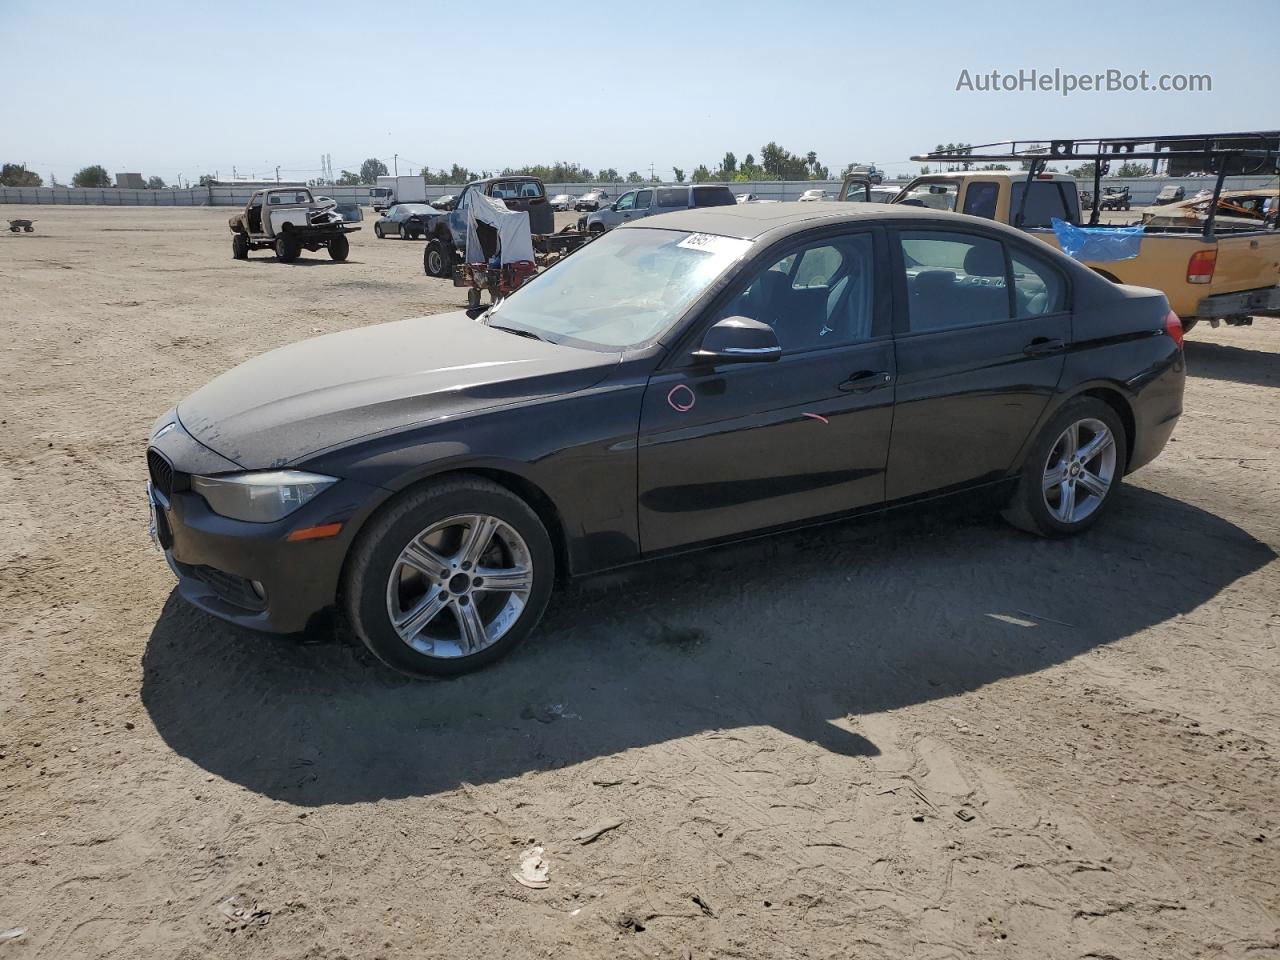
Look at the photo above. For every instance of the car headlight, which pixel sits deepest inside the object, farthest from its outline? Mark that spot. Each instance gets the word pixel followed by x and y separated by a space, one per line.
pixel 260 497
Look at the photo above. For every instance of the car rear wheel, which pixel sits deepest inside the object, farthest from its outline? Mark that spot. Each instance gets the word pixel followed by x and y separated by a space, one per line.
pixel 450 577
pixel 339 247
pixel 240 246
pixel 436 261
pixel 406 232
pixel 287 248
pixel 1071 472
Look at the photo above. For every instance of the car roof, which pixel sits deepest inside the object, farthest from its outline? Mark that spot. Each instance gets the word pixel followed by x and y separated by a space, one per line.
pixel 771 221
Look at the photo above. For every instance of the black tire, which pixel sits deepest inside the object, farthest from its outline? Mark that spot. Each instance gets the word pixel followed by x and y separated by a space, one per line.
pixel 377 549
pixel 377 231
pixel 595 228
pixel 14 229
pixel 405 231
pixel 437 258
pixel 28 229
pixel 287 248
pixel 339 248
pixel 473 298
pixel 240 246
pixel 1027 509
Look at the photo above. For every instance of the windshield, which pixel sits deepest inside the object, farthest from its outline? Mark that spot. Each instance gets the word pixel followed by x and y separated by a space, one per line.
pixel 937 195
pixel 623 290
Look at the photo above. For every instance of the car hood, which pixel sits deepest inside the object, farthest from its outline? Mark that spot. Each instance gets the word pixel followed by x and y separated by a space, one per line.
pixel 288 404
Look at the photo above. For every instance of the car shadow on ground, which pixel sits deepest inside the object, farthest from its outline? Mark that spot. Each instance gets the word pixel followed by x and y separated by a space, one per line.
pixel 794 631
pixel 1221 361
pixel 316 261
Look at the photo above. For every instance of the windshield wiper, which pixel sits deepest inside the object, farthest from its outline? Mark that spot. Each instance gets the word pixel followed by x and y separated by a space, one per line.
pixel 516 330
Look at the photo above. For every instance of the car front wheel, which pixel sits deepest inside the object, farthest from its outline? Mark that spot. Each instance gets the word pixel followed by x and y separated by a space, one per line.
pixel 436 259
pixel 1071 472
pixel 450 577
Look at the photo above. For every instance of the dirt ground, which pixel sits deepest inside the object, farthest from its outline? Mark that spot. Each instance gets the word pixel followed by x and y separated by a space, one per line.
pixel 927 736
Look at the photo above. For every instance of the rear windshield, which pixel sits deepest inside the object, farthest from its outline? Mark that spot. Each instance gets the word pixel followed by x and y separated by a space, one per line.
pixel 1046 200
pixel 713 197
pixel 673 196
pixel 516 190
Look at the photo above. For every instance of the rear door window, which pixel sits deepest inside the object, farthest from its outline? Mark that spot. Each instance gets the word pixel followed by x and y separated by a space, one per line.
pixel 980 199
pixel 673 198
pixel 643 199
pixel 1038 288
pixel 953 279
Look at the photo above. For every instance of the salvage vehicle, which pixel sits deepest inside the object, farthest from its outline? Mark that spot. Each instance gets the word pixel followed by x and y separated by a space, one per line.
pixel 1170 193
pixel 857 188
pixel 449 234
pixel 408 221
pixel 687 380
pixel 647 201
pixel 289 220
pixel 1236 208
pixel 810 196
pixel 447 202
pixel 1113 198
pixel 561 202
pixel 591 200
pixel 1209 271
pixel 25 226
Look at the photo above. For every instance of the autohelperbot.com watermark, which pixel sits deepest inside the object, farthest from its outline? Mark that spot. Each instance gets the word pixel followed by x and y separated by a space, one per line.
pixel 1066 82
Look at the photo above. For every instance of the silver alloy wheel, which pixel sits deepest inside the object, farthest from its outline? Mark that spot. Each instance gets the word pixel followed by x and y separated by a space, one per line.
pixel 475 566
pixel 436 262
pixel 1079 471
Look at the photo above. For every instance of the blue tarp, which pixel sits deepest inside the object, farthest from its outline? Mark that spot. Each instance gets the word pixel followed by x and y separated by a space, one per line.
pixel 1098 243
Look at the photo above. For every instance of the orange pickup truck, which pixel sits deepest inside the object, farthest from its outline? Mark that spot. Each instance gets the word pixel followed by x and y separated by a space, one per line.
pixel 1226 273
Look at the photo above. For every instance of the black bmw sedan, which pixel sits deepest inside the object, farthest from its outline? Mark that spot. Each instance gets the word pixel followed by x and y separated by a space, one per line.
pixel 408 221
pixel 692 379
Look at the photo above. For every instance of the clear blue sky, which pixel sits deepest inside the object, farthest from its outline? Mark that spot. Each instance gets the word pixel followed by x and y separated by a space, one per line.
pixel 178 88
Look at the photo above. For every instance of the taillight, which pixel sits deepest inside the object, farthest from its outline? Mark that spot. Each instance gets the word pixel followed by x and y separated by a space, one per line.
pixel 1173 327
pixel 1200 266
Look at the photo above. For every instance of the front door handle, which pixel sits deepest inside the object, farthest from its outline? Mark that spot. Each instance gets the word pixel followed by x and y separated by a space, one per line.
pixel 865 380
pixel 1042 346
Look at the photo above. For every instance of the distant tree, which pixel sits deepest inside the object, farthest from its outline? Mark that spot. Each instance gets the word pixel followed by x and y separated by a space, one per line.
pixel 608 174
pixel 94 176
pixel 634 177
pixel 1131 169
pixel 17 175
pixel 371 170
pixel 996 166
pixel 924 170
pixel 750 161
pixel 678 173
pixel 728 166
pixel 348 179
pixel 155 183
pixel 700 174
pixel 780 164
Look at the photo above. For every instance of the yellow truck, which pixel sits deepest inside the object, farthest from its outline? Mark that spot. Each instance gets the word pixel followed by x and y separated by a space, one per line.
pixel 1208 271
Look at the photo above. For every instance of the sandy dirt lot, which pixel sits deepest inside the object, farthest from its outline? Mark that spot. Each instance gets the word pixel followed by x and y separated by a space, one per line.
pixel 927 736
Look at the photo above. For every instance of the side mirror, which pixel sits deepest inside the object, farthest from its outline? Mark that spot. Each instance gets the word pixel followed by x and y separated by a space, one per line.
pixel 739 340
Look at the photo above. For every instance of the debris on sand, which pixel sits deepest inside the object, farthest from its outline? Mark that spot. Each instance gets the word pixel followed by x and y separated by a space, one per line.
pixel 238 916
pixel 534 869
pixel 591 834
pixel 15 933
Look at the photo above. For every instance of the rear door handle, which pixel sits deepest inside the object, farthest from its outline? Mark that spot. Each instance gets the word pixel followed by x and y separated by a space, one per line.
pixel 865 380
pixel 1041 346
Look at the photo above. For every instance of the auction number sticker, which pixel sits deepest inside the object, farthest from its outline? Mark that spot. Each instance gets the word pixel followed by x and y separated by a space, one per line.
pixel 710 243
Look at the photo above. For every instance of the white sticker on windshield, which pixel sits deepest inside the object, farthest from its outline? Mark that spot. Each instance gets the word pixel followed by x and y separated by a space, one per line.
pixel 710 243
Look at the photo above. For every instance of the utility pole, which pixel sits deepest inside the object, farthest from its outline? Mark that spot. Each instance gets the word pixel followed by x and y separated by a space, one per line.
pixel 395 160
pixel 277 173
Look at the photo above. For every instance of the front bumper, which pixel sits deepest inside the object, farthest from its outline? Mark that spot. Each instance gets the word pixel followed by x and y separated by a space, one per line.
pixel 252 574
